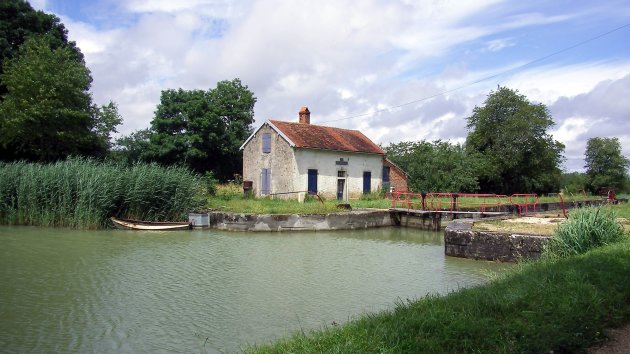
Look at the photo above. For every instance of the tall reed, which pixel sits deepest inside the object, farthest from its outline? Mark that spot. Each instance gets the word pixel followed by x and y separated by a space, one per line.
pixel 83 193
pixel 586 228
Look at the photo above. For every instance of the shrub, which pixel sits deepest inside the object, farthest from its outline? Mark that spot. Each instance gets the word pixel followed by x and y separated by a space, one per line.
pixel 210 182
pixel 229 191
pixel 586 228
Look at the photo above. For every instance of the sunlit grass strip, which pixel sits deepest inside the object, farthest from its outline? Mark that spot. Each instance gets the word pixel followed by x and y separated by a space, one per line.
pixel 559 305
pixel 84 193
pixel 288 206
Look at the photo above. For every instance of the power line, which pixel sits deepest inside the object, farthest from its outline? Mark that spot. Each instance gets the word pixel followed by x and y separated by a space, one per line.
pixel 487 77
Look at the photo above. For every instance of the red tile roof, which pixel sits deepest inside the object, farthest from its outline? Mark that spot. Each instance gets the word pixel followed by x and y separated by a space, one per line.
pixel 326 138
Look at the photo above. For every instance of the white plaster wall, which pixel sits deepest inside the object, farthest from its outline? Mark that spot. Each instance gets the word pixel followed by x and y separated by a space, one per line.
pixel 324 162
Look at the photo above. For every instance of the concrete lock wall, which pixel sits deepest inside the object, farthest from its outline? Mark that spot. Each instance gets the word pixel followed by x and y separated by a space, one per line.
pixel 460 240
pixel 290 222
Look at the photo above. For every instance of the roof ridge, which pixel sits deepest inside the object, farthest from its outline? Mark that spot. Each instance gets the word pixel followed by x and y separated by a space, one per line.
pixel 317 125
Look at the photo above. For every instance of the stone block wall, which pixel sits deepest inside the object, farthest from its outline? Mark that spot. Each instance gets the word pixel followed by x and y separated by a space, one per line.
pixel 460 240
pixel 293 222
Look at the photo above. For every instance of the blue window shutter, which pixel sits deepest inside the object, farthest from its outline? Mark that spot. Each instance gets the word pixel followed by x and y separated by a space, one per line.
pixel 367 182
pixel 265 177
pixel 266 148
pixel 385 174
pixel 312 181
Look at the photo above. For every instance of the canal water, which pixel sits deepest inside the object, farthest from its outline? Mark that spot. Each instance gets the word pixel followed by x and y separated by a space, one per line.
pixel 207 291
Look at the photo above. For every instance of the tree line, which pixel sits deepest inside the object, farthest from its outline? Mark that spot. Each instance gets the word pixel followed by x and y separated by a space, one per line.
pixel 47 114
pixel 509 150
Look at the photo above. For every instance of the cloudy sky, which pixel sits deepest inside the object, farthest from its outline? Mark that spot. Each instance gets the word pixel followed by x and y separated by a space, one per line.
pixel 396 70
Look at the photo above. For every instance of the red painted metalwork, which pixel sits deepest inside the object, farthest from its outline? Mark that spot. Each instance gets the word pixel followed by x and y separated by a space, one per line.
pixel 435 201
pixel 564 210
pixel 447 201
pixel 526 205
pixel 481 201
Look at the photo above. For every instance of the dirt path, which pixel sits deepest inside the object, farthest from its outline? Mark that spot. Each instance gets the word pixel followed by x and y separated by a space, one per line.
pixel 619 342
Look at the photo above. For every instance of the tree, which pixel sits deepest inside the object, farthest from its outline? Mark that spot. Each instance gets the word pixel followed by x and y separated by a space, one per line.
pixel 518 155
pixel 130 148
pixel 47 112
pixel 435 167
pixel 605 164
pixel 203 129
pixel 573 182
pixel 18 22
pixel 106 119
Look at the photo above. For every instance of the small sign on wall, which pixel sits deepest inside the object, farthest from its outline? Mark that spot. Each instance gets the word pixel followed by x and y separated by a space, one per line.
pixel 341 162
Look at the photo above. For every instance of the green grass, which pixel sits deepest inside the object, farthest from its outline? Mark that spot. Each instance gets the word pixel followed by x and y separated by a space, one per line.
pixel 622 210
pixel 230 198
pixel 83 193
pixel 562 305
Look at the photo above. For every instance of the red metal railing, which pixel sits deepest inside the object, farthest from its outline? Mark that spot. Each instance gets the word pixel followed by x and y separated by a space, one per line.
pixel 437 201
pixel 526 202
pixel 482 202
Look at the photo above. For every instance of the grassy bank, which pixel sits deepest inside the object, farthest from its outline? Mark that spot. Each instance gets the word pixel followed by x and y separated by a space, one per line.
pixel 561 305
pixel 84 193
pixel 229 197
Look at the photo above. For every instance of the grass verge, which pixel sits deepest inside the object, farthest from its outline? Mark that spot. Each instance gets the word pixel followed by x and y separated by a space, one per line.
pixel 229 197
pixel 561 305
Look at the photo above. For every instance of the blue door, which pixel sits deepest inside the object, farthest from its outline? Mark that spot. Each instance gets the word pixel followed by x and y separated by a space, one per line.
pixel 312 181
pixel 367 182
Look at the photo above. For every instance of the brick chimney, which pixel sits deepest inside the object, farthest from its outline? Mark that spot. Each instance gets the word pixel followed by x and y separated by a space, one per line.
pixel 305 115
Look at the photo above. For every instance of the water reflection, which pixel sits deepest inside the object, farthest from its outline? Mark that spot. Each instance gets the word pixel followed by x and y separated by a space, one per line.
pixel 204 291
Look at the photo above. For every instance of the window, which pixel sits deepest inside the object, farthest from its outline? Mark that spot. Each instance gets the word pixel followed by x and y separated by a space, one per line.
pixel 312 181
pixel 265 181
pixel 266 140
pixel 341 174
pixel 386 184
pixel 385 174
pixel 367 182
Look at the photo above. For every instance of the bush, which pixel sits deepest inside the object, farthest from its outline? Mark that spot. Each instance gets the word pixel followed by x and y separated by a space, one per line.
pixel 210 182
pixel 586 228
pixel 229 191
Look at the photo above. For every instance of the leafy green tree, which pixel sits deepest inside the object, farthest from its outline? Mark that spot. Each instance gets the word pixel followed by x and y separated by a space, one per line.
pixel 203 129
pixel 47 112
pixel 130 148
pixel 435 167
pixel 573 182
pixel 605 164
pixel 106 119
pixel 18 22
pixel 510 134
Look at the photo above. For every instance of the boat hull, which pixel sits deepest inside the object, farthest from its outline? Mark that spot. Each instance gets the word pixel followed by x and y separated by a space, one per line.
pixel 128 224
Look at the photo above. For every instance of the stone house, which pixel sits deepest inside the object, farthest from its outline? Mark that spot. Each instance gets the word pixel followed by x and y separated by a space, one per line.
pixel 289 159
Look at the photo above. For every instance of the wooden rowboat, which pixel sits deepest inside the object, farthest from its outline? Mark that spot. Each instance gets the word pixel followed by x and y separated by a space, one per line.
pixel 129 224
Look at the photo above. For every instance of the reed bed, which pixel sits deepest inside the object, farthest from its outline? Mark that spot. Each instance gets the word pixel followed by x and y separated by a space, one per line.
pixel 84 193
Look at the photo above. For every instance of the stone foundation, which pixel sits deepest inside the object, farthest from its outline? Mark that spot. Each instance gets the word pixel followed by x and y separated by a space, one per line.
pixel 360 219
pixel 460 240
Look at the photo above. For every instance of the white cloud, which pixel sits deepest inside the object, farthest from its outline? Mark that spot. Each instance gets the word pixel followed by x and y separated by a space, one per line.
pixel 546 84
pixel 345 59
pixel 496 45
